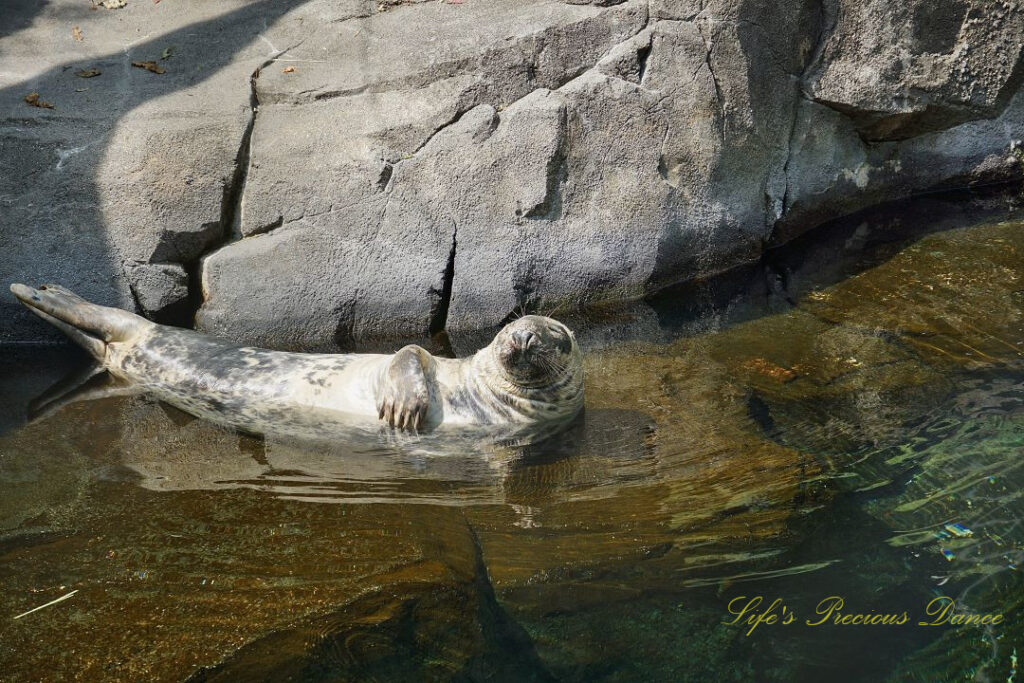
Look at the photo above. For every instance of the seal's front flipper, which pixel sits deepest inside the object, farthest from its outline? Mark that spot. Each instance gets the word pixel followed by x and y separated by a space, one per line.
pixel 89 325
pixel 88 384
pixel 403 398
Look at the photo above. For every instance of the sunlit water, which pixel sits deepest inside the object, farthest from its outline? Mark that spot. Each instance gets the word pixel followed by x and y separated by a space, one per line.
pixel 845 420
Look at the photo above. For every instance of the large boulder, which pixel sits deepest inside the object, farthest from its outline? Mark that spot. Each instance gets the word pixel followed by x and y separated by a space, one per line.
pixel 599 154
pixel 323 175
pixel 900 69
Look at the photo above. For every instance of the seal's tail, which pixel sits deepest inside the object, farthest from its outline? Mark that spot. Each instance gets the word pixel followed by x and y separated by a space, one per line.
pixel 89 325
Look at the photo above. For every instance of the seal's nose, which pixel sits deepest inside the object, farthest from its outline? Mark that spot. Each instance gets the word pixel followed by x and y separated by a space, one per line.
pixel 523 338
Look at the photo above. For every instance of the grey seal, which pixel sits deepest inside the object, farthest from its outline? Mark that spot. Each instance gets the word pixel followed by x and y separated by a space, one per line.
pixel 531 373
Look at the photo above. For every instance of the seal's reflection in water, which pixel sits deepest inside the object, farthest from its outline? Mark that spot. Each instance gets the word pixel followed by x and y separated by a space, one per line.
pixel 360 464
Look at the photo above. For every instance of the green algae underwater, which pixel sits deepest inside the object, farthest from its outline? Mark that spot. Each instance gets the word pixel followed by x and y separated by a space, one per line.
pixel 845 420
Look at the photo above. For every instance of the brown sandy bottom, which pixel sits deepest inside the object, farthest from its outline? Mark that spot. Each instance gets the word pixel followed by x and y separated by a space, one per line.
pixel 829 441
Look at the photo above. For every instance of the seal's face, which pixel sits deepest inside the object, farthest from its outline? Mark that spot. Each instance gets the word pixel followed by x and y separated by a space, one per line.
pixel 534 351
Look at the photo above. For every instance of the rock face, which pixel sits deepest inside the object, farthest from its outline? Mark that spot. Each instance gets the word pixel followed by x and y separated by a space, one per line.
pixel 160 289
pixel 326 175
pixel 900 69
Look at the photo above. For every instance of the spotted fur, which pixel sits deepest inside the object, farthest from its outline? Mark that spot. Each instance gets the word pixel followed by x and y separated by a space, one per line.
pixel 530 373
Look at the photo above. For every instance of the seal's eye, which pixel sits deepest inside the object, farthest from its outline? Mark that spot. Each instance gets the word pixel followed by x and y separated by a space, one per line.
pixel 561 339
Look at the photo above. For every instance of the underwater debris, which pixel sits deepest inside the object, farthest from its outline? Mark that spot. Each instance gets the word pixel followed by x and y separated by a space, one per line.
pixel 52 602
pixel 958 530
pixel 770 369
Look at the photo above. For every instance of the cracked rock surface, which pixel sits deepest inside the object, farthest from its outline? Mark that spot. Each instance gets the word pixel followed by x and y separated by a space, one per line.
pixel 324 175
pixel 900 69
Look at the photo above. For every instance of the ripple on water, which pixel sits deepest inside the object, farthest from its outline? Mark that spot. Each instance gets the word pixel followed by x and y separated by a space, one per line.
pixel 882 407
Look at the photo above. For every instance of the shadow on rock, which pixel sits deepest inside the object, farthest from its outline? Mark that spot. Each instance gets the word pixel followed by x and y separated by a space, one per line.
pixel 129 186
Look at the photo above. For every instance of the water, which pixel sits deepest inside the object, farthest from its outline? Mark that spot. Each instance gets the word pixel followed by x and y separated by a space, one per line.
pixel 816 426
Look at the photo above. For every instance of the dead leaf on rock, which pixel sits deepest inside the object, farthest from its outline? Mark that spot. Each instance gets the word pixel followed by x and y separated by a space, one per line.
pixel 149 66
pixel 33 99
pixel 88 73
pixel 288 70
pixel 76 33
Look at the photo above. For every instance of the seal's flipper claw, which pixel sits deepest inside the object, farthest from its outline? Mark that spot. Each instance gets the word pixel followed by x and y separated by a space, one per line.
pixel 404 390
pixel 88 384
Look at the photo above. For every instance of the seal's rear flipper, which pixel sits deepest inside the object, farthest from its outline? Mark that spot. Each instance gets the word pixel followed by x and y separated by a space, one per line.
pixel 88 325
pixel 88 384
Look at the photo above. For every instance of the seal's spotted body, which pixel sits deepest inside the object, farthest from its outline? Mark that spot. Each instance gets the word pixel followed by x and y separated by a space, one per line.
pixel 530 373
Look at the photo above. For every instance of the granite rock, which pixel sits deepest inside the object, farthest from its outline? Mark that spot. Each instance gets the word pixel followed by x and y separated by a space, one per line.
pixel 335 174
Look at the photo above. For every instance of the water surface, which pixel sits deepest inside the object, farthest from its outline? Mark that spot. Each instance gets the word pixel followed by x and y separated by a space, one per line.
pixel 814 426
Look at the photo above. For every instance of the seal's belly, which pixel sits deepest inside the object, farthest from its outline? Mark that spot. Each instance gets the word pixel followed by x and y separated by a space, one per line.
pixel 245 386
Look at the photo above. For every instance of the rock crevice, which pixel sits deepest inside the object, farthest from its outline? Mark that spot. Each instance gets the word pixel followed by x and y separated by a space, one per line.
pixel 234 193
pixel 439 312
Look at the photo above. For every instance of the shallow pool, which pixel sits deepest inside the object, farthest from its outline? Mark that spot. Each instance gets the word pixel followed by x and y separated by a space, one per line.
pixel 843 421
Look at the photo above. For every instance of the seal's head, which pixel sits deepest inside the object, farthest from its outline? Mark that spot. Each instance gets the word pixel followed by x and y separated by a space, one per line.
pixel 534 351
